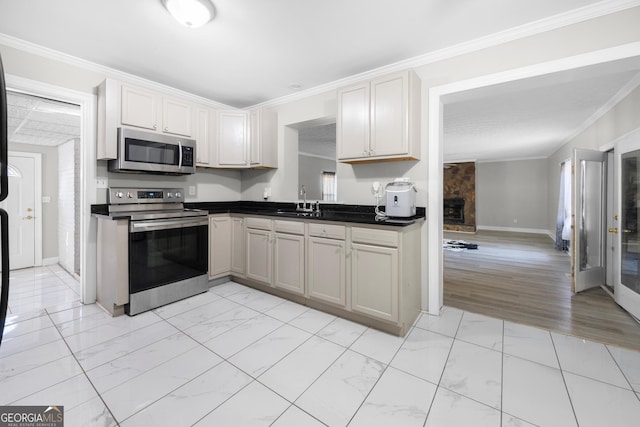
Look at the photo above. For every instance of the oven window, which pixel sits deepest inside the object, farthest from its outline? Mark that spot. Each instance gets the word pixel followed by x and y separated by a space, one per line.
pixel 151 152
pixel 161 257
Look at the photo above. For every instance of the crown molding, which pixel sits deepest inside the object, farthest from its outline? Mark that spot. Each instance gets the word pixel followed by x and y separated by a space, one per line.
pixel 615 99
pixel 575 16
pixel 55 55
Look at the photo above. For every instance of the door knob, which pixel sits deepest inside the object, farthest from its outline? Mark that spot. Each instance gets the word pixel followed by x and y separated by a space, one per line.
pixel 613 230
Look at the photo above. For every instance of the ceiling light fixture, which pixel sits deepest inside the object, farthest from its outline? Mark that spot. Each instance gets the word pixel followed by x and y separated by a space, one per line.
pixel 192 13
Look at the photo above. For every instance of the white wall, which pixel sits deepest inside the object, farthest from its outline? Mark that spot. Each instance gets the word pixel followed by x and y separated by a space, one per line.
pixel 512 195
pixel 67 204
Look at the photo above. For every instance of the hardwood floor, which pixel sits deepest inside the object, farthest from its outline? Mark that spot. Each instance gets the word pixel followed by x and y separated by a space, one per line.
pixel 521 278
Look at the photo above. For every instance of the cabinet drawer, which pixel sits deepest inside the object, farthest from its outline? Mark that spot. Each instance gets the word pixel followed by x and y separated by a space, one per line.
pixel 327 230
pixel 375 237
pixel 259 223
pixel 291 227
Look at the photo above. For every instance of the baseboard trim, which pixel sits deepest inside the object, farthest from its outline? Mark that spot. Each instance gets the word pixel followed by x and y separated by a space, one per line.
pixel 516 229
pixel 50 261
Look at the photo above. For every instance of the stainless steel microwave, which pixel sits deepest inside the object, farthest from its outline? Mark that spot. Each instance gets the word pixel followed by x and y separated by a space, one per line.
pixel 140 151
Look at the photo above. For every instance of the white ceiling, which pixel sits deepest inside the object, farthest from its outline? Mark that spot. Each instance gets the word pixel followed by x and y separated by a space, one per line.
pixel 40 121
pixel 254 50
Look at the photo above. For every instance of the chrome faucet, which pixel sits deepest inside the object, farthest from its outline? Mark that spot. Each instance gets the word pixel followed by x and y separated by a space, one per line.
pixel 304 208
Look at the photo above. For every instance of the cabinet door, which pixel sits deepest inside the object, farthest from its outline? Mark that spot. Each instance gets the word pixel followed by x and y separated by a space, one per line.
pixel 232 139
pixel 352 123
pixel 255 140
pixel 289 263
pixel 389 115
pixel 374 281
pixel 140 107
pixel 326 270
pixel 219 243
pixel 203 136
pixel 259 255
pixel 238 251
pixel 176 117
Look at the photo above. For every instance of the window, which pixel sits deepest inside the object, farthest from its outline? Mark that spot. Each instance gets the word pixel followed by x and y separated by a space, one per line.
pixel 329 186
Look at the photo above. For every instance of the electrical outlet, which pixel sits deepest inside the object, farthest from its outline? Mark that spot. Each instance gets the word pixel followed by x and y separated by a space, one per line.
pixel 375 188
pixel 102 182
pixel 192 190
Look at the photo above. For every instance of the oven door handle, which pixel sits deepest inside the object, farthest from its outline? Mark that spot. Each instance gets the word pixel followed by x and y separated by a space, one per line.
pixel 165 224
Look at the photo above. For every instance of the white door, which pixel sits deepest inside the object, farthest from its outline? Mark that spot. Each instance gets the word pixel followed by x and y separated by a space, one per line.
pixel 627 260
pixel 588 215
pixel 20 205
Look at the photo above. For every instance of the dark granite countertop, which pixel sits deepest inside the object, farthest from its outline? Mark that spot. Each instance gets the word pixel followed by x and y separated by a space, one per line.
pixel 360 214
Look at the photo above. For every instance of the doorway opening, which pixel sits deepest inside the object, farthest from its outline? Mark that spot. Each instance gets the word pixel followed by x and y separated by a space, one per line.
pixel 44 199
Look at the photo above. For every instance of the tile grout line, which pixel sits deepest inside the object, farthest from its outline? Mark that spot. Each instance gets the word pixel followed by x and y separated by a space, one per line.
pixel 82 369
pixel 564 381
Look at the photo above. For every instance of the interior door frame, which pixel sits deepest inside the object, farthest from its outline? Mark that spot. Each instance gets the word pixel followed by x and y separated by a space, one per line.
pixel 88 171
pixel 37 160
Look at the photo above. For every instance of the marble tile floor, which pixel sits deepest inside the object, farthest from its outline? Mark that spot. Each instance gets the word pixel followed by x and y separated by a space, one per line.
pixel 235 356
pixel 33 289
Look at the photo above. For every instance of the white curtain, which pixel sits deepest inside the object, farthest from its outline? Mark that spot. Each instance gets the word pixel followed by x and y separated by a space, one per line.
pixel 329 186
pixel 563 219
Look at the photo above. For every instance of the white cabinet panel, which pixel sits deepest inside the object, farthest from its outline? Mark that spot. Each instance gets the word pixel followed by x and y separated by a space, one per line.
pixel 176 117
pixel 374 281
pixel 259 255
pixel 140 107
pixel 219 244
pixel 232 139
pixel 238 246
pixel 379 119
pixel 326 270
pixel 289 262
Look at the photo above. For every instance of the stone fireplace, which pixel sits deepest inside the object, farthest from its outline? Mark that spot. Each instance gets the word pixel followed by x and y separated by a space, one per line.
pixel 459 193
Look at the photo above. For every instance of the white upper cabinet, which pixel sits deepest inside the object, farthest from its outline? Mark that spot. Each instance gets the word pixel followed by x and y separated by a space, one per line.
pixel 232 144
pixel 140 108
pixel 205 135
pixel 247 139
pixel 263 138
pixel 132 106
pixel 379 119
pixel 224 138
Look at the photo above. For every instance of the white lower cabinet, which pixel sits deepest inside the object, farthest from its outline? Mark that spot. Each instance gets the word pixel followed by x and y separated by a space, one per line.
pixel 219 243
pixel 288 256
pixel 369 274
pixel 326 270
pixel 259 249
pixel 375 273
pixel 374 281
pixel 259 253
pixel 238 247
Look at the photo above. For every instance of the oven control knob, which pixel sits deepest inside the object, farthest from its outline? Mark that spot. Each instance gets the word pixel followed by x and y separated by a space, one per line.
pixel 119 194
pixel 178 195
pixel 130 195
pixel 169 195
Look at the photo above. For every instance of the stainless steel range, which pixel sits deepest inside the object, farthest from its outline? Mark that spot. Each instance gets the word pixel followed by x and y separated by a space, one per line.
pixel 168 246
